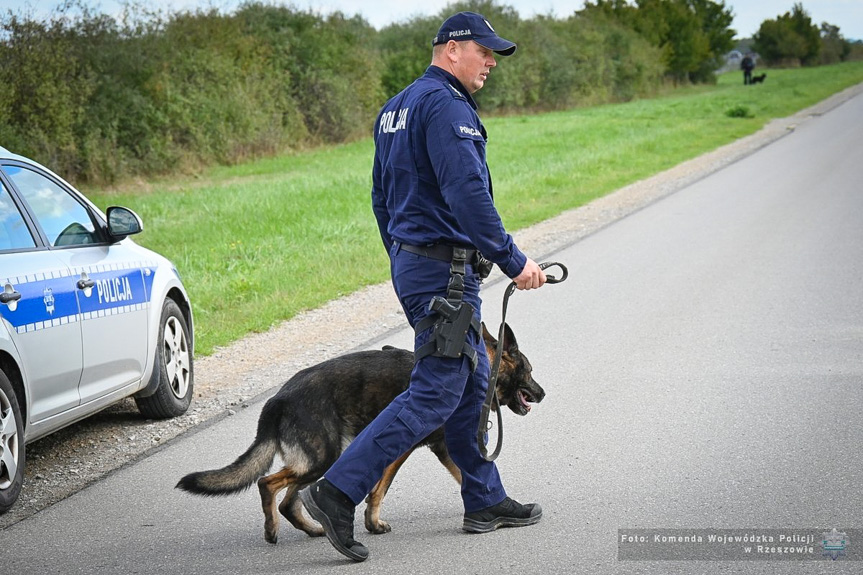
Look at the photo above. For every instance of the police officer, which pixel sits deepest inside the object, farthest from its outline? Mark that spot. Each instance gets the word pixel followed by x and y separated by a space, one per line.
pixel 432 197
pixel 747 66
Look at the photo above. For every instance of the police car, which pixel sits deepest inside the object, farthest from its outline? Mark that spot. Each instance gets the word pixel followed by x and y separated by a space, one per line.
pixel 88 316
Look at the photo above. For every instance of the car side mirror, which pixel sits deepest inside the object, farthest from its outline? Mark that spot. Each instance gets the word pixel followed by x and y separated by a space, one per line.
pixel 123 222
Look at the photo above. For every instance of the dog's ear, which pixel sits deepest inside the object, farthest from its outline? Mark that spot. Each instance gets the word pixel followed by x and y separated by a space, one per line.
pixel 509 342
pixel 487 337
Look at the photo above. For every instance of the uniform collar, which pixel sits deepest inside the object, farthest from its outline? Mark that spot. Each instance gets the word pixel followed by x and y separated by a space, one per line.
pixel 438 72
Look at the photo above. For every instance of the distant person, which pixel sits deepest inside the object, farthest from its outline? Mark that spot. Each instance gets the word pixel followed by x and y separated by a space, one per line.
pixel 747 65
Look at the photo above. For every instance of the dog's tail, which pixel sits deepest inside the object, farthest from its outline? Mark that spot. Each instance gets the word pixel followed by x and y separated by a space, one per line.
pixel 237 476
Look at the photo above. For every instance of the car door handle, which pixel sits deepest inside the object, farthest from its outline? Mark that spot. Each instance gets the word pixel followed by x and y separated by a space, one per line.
pixel 9 297
pixel 84 284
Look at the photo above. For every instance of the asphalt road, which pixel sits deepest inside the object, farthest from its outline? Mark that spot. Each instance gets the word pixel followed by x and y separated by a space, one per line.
pixel 703 365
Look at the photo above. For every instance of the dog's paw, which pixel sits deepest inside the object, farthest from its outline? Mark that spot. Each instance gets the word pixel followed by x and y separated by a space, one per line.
pixel 379 527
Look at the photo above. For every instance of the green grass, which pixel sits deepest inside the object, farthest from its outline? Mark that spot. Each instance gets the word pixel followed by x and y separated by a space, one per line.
pixel 260 242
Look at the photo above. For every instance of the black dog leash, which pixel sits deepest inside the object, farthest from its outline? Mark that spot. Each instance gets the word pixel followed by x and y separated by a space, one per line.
pixel 491 395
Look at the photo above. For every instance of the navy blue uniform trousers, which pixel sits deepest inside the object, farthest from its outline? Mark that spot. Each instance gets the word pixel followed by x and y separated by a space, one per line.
pixel 443 391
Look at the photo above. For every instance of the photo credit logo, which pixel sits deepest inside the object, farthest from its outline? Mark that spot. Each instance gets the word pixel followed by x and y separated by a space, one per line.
pixel 751 544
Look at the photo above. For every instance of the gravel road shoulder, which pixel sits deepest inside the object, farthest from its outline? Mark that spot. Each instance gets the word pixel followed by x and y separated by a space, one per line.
pixel 239 375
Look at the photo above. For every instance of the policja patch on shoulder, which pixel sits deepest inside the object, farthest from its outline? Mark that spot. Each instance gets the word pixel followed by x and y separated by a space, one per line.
pixel 463 130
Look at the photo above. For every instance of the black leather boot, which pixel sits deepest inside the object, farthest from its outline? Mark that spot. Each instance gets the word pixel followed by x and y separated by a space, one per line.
pixel 335 512
pixel 507 513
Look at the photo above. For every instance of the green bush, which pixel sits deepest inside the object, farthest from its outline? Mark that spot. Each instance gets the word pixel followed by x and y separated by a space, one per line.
pixel 739 111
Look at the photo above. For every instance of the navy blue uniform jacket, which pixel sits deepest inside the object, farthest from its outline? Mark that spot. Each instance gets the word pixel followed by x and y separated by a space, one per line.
pixel 431 183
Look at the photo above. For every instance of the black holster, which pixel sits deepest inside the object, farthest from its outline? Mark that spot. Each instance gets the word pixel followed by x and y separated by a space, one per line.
pixel 451 327
pixel 451 317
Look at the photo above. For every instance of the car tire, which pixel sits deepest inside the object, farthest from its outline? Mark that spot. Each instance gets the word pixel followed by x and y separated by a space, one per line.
pixel 174 364
pixel 11 445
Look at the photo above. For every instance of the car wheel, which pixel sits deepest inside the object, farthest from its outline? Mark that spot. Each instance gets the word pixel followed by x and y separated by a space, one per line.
pixel 174 364
pixel 11 445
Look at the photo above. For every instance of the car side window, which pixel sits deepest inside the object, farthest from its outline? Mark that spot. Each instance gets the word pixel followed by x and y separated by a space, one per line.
pixel 13 229
pixel 63 219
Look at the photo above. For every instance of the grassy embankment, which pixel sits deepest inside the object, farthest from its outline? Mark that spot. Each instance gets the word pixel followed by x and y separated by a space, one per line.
pixel 258 243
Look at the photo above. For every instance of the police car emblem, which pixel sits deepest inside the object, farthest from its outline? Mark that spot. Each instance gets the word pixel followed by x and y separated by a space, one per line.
pixel 48 298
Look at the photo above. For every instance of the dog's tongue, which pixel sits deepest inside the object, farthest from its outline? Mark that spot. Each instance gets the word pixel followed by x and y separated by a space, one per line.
pixel 523 400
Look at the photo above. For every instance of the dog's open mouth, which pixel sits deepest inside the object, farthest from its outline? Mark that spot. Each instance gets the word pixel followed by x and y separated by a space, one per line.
pixel 525 399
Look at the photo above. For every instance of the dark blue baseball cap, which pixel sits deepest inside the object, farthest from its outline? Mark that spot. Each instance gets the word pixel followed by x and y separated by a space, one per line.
pixel 473 26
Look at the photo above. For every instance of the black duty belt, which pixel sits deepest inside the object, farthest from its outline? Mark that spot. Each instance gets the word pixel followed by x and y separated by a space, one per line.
pixel 440 252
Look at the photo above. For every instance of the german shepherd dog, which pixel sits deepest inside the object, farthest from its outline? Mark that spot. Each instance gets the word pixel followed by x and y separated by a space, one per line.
pixel 321 409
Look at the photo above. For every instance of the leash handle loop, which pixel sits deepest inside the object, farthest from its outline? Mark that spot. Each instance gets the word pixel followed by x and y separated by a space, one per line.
pixel 550 279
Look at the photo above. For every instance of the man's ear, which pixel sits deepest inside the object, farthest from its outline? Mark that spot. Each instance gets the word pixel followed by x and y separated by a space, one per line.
pixel 453 51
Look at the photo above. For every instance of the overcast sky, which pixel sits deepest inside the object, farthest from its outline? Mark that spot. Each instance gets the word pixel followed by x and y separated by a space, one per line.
pixel 748 14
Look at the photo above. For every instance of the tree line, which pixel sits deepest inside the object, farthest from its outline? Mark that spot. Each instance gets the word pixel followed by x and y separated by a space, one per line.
pixel 792 39
pixel 101 99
